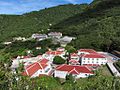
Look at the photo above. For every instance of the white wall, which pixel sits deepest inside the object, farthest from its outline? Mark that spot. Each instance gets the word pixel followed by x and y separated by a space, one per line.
pixel 60 74
pixel 93 61
pixel 75 58
pixel 83 75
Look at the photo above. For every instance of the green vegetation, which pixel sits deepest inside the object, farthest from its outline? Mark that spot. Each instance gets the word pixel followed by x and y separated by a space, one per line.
pixel 58 60
pixel 37 21
pixel 70 49
pixel 117 65
pixel 97 27
pixel 9 80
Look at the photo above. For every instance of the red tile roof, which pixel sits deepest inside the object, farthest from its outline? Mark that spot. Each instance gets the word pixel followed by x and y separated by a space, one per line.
pixel 26 57
pixel 74 61
pixel 74 54
pixel 31 69
pixel 44 61
pixel 87 50
pixel 93 56
pixel 54 52
pixel 74 69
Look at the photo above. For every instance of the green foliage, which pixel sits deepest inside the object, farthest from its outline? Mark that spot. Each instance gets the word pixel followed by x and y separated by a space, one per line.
pixel 96 27
pixel 45 83
pixel 70 49
pixel 37 21
pixel 11 81
pixel 58 60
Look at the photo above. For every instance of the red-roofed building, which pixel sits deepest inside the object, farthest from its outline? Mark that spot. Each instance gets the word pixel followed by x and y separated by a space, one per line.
pixel 38 68
pixel 51 54
pixel 44 61
pixel 93 59
pixel 74 56
pixel 76 70
pixel 86 51
pixel 74 62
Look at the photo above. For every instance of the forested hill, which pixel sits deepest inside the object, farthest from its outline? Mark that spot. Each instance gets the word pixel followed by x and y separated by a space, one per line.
pixel 37 21
pixel 97 27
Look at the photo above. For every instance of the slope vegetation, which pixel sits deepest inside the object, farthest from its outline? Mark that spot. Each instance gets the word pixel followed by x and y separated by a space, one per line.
pixel 97 27
pixel 37 21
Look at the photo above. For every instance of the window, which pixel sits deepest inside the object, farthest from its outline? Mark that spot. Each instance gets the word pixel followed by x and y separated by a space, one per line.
pixel 47 70
pixel 83 61
pixel 92 58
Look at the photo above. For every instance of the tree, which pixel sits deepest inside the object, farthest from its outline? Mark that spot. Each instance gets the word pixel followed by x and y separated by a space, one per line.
pixel 58 60
pixel 70 49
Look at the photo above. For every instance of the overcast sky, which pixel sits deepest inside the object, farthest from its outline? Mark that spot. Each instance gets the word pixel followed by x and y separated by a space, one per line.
pixel 23 6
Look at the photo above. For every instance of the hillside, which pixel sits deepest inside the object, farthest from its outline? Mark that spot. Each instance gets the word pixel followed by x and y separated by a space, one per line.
pixel 29 23
pixel 97 27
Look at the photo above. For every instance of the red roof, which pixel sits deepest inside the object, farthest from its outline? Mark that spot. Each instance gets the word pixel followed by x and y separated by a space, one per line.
pixel 93 56
pixel 54 52
pixel 87 50
pixel 44 61
pixel 74 69
pixel 74 54
pixel 31 69
pixel 74 61
pixel 26 57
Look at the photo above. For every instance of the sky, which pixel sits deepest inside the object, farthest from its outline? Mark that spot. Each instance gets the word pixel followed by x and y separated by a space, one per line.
pixel 24 6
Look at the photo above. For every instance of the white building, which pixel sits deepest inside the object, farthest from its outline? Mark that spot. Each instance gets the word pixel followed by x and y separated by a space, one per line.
pixel 55 34
pixel 39 36
pixel 25 59
pixel 65 40
pixel 38 68
pixel 93 59
pixel 7 43
pixel 77 71
pixel 19 39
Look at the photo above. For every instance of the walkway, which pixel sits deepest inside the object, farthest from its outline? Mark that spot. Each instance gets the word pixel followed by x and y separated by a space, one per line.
pixel 111 59
pixel 113 69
